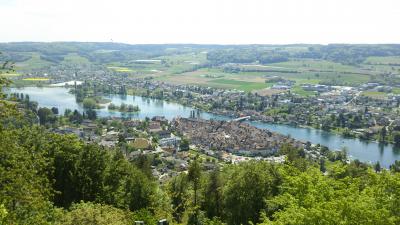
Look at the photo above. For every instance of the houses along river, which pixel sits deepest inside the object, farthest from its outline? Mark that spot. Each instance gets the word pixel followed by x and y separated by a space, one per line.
pixel 364 151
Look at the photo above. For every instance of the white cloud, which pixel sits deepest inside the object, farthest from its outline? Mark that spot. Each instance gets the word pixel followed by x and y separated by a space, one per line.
pixel 205 21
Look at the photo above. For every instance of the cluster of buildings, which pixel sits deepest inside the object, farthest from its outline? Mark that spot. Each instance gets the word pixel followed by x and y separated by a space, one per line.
pixel 231 136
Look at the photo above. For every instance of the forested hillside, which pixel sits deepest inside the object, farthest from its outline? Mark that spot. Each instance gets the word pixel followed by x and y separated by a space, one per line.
pixel 340 53
pixel 95 52
pixel 108 52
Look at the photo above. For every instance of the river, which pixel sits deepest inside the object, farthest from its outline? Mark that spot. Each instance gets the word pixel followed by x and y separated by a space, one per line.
pixel 364 151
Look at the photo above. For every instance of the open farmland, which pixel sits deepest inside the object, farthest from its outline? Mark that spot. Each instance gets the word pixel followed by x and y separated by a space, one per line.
pixel 36 79
pixel 253 77
pixel 9 75
pixel 120 69
pixel 245 68
pixel 35 62
pixel 388 60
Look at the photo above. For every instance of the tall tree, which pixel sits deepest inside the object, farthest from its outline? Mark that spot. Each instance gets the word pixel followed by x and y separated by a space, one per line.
pixel 247 188
pixel 194 175
pixel 213 194
pixel 178 191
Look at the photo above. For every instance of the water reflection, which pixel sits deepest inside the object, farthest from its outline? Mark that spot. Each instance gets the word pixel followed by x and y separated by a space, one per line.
pixel 396 150
pixel 159 103
pixel 381 147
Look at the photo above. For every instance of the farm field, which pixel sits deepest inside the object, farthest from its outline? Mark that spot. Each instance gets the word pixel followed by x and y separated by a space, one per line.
pixel 192 65
pixel 9 75
pixel 120 69
pixel 35 62
pixel 75 59
pixel 255 76
pixel 374 94
pixel 36 79
pixel 385 60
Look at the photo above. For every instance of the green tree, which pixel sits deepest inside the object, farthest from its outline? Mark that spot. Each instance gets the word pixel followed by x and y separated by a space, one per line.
pixel 312 198
pixel 3 213
pixel 123 107
pixel 45 115
pixel 144 215
pixel 143 162
pixel 89 103
pixel 383 134
pixel 396 138
pixel 194 176
pixel 91 114
pixel 179 194
pixel 247 187
pixel 213 194
pixel 184 145
pixel 111 106
pixel 395 167
pixel 54 110
pixel 89 172
pixel 377 167
pixel 94 214
pixel 25 188
pixel 322 166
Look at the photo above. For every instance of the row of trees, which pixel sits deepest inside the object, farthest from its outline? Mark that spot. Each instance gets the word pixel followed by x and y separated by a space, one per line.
pixel 124 107
pixel 246 55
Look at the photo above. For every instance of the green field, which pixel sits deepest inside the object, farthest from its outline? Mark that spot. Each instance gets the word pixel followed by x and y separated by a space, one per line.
pixel 35 62
pixel 186 66
pixel 239 85
pixel 255 80
pixel 120 69
pixel 36 79
pixel 252 76
pixel 383 60
pixel 75 59
pixel 10 75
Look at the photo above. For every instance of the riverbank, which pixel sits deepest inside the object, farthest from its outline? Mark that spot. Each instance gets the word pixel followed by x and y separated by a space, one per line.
pixel 59 97
pixel 254 115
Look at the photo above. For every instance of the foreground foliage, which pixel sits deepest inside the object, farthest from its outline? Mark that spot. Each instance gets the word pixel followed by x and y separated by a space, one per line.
pixel 47 178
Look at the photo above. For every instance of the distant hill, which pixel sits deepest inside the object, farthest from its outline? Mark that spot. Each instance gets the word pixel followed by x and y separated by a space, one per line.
pixel 107 52
pixel 94 52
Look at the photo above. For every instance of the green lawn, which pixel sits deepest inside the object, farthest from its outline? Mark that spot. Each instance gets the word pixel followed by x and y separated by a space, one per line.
pixel 9 75
pixel 120 69
pixel 35 62
pixel 299 90
pixel 36 79
pixel 374 94
pixel 310 64
pixel 396 91
pixel 383 60
pixel 240 85
pixel 75 59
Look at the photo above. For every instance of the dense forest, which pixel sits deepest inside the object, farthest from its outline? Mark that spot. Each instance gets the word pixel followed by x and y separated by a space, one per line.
pixel 48 178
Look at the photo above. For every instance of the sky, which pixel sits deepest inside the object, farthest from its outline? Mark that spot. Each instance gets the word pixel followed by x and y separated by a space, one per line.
pixel 201 21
